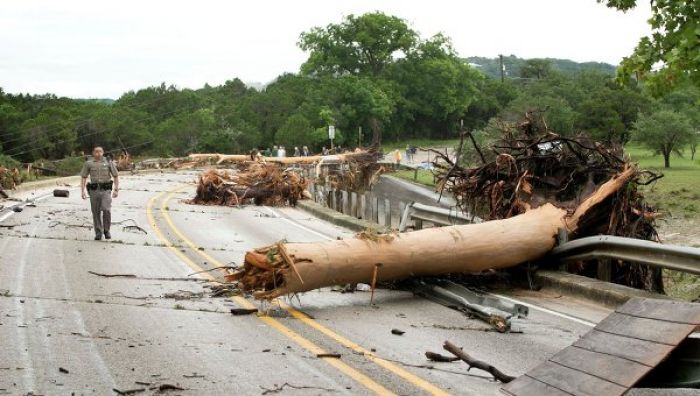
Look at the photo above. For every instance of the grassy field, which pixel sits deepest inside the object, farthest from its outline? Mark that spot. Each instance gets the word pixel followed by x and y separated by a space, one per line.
pixel 423 176
pixel 678 192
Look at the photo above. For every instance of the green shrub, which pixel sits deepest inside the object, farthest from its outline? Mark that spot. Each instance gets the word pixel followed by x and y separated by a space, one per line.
pixel 9 162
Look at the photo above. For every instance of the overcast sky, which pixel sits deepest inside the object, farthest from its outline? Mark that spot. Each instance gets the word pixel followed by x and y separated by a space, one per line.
pixel 100 49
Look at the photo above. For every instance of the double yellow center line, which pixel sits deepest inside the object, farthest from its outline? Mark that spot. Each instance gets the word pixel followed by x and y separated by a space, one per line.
pixel 351 372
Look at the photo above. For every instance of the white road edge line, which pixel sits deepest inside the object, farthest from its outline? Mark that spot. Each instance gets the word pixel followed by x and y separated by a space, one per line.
pixel 529 305
pixel 546 310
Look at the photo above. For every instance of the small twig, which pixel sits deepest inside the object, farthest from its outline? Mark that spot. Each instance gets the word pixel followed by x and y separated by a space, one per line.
pixel 112 275
pixel 128 392
pixel 128 228
pixel 166 387
pixel 278 388
pixel 214 269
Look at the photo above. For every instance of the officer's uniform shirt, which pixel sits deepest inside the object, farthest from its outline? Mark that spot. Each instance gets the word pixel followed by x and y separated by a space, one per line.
pixel 99 171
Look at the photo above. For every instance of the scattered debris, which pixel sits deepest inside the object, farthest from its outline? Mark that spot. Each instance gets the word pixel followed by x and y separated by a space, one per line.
pixel 328 355
pixel 154 278
pixel 243 311
pixel 134 228
pixel 9 179
pixel 280 388
pixel 124 162
pixel 183 295
pixel 471 362
pixel 112 275
pixel 128 392
pixel 61 193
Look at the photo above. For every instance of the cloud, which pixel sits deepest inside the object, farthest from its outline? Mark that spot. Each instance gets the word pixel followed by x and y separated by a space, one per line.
pixel 86 48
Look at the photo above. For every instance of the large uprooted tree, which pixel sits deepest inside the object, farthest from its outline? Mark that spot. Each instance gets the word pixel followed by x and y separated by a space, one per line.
pixel 532 184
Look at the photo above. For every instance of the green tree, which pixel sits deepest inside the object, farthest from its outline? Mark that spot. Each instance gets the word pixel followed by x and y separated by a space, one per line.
pixel 663 131
pixel 686 100
pixel 181 134
pixel 536 68
pixel 674 44
pixel 437 88
pixel 295 131
pixel 363 44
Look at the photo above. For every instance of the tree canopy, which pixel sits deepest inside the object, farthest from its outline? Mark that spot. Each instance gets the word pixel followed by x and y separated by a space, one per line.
pixel 674 45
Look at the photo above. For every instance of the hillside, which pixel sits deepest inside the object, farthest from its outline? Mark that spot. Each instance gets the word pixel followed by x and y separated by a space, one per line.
pixel 490 66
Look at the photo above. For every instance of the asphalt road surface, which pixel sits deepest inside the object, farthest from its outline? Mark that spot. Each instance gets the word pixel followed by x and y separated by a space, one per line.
pixel 66 328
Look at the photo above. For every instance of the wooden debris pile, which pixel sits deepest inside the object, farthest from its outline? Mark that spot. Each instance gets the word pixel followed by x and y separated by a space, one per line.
pixel 9 178
pixel 259 183
pixel 124 162
pixel 533 184
pixel 357 172
pixel 531 166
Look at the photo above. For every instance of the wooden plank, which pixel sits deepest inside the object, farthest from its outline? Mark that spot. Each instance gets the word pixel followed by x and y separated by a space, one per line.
pixel 573 381
pixel 644 352
pixel 528 386
pixel 612 368
pixel 646 329
pixel 666 310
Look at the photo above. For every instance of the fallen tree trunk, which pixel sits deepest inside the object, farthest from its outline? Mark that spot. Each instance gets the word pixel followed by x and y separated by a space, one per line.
pixel 286 268
pixel 240 158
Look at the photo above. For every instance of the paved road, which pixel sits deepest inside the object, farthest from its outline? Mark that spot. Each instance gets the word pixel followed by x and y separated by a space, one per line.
pixel 66 330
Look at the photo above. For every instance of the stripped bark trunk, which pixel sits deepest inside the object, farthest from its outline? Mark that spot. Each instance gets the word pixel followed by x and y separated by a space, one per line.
pixel 297 267
pixel 237 158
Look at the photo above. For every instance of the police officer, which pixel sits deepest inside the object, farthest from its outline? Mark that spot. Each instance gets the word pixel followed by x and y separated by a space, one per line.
pixel 101 190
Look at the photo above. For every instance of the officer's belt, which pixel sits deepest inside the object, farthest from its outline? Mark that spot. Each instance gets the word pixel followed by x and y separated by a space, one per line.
pixel 100 186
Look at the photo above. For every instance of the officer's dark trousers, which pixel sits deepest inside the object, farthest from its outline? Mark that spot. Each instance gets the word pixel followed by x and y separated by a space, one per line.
pixel 101 205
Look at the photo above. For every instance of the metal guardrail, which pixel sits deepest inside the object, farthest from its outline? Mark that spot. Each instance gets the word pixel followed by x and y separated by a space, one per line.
pixel 433 214
pixel 673 257
pixel 678 258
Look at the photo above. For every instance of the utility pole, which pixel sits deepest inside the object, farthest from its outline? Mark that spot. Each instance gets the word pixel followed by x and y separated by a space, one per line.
pixel 503 68
pixel 359 137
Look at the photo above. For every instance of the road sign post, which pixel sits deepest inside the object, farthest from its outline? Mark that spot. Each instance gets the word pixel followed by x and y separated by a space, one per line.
pixel 331 134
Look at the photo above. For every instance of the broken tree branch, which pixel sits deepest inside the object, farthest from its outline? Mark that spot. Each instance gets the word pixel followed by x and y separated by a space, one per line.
pixel 471 362
pixel 436 357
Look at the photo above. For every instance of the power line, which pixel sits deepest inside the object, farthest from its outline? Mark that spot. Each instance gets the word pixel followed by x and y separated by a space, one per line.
pixel 12 153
